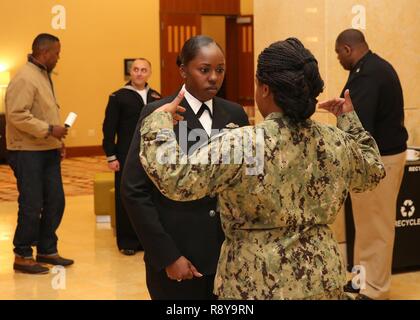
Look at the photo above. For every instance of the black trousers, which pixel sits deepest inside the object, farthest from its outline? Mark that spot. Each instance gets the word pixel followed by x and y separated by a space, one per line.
pixel 126 236
pixel 162 288
pixel 41 200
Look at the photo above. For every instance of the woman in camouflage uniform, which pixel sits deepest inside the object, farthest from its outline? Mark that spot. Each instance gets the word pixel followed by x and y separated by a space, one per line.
pixel 276 218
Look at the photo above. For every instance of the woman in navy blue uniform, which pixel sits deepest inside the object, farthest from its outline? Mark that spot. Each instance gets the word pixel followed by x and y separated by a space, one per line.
pixel 182 240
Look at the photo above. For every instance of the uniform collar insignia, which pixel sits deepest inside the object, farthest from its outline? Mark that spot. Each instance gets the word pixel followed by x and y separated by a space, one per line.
pixel 155 95
pixel 232 125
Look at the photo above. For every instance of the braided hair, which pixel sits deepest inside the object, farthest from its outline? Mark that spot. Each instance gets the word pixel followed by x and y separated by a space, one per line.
pixel 291 71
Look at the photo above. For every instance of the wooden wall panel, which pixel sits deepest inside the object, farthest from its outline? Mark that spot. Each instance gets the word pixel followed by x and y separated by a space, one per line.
pixel 220 7
pixel 175 30
pixel 179 6
pixel 240 61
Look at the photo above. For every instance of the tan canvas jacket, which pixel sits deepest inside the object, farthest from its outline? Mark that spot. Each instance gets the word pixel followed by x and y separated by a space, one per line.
pixel 30 108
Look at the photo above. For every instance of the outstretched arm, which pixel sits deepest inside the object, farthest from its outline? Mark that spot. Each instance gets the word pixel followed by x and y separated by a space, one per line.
pixel 181 178
pixel 364 156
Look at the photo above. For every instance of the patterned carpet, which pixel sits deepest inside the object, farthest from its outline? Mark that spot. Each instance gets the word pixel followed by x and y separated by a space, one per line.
pixel 77 175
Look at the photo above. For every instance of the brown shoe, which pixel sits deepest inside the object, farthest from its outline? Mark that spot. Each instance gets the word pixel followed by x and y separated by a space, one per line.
pixel 348 287
pixel 362 296
pixel 28 265
pixel 54 260
pixel 128 252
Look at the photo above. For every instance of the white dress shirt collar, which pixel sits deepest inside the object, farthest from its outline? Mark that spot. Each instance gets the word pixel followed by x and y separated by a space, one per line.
pixel 194 103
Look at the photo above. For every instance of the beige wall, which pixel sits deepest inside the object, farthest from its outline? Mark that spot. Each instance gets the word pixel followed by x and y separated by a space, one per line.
pixel 392 31
pixel 215 27
pixel 98 36
pixel 247 7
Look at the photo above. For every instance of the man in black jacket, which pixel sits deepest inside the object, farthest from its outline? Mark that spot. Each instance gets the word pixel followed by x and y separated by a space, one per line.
pixel 121 115
pixel 378 101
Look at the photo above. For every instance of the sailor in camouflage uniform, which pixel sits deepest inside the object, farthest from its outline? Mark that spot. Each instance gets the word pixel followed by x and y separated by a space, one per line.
pixel 278 243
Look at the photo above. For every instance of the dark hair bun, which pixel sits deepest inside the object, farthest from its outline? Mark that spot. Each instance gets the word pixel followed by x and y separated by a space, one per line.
pixel 191 48
pixel 291 72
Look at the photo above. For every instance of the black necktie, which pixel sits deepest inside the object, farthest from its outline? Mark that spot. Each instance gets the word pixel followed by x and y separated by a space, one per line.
pixel 203 108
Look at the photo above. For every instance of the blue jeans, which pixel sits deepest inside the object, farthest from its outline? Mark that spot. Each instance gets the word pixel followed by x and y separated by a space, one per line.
pixel 41 200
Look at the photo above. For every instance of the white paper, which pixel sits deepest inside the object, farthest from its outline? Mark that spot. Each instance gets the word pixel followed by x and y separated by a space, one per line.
pixel 71 118
pixel 412 155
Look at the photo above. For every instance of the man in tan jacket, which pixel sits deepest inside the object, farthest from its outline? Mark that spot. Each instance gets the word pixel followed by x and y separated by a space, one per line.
pixel 33 135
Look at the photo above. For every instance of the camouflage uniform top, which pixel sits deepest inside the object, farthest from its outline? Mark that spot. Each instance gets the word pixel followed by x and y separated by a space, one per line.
pixel 278 243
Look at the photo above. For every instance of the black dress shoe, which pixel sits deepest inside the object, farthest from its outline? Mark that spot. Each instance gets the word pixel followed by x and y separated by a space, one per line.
pixel 55 260
pixel 361 296
pixel 128 252
pixel 28 265
pixel 348 287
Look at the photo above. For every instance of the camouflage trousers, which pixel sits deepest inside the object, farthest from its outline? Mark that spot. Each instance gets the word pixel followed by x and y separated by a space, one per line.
pixel 337 294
